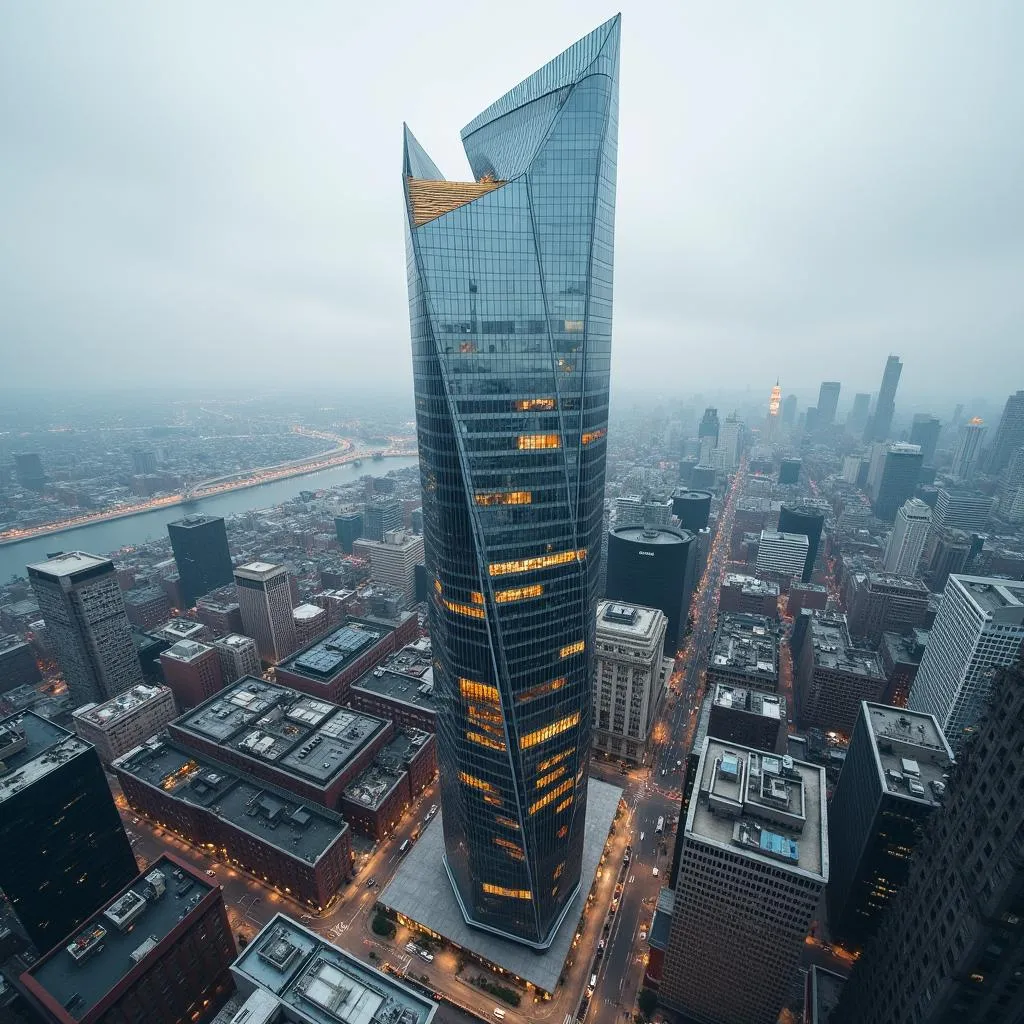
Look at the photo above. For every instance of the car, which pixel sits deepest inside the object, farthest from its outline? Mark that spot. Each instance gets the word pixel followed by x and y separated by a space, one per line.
pixel 642 834
pixel 211 872
pixel 643 935
pixel 663 772
pixel 411 947
pixel 429 957
pixel 371 882
pixel 432 811
pixel 135 821
pixel 654 871
pixel 499 1013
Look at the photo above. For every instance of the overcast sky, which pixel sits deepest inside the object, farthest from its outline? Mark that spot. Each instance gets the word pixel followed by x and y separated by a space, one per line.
pixel 210 192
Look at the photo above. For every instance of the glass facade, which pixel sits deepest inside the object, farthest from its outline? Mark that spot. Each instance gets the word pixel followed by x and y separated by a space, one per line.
pixel 510 296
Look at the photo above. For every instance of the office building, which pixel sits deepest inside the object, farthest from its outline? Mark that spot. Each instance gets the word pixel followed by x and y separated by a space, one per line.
pixel 349 528
pixel 967 453
pixel 808 520
pixel 380 517
pixel 860 413
pixel 892 781
pixel 521 442
pixel 806 595
pixel 393 561
pixel 176 630
pixel 729 438
pixel 754 860
pixel 828 403
pixel 741 593
pixel 980 626
pixel 193 672
pixel 238 657
pixel 788 413
pixel 783 554
pixel 62 848
pixel 630 672
pixel 789 472
pixel 692 508
pixel 402 691
pixel 653 567
pixel 289 973
pixel 946 554
pixel 262 829
pixel 18 665
pixel 265 601
pixel 709 427
pixel 963 509
pixel 822 989
pixel 951 947
pixel 750 718
pixel 310 623
pixel 124 721
pixel 1009 435
pixel 898 479
pixel 924 432
pixel 744 653
pixel 906 542
pixel 147 607
pixel 160 952
pixel 28 470
pixel 81 602
pixel 200 546
pixel 900 656
pixel 879 602
pixel 881 422
pixel 220 615
pixel 831 676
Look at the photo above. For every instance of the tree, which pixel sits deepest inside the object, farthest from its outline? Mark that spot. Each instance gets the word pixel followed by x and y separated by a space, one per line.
pixel 647 1001
pixel 383 926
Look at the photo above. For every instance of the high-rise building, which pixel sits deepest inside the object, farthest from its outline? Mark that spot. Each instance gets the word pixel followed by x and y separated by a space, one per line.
pixel 748 717
pixel 349 528
pixel 772 424
pixel 924 431
pixel 789 472
pixel 808 520
pixel 1009 435
pixel 789 411
pixel 879 602
pixel 630 670
pixel 708 429
pixel 963 509
pixel 124 721
pixel 692 508
pixel 899 477
pixel 754 859
pixel 967 453
pixel 881 422
pixel 393 561
pixel 979 627
pixel 906 542
pixel 63 850
pixel 729 442
pixel 81 603
pixel 828 403
pixel 859 414
pixel 381 516
pixel 18 665
pixel 238 657
pixel 951 947
pixel 783 554
pixel 192 671
pixel 265 601
pixel 200 546
pixel 892 781
pixel 511 377
pixel 160 952
pixel 28 469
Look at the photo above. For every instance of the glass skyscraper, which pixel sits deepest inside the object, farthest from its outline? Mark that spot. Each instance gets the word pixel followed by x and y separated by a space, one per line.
pixel 510 296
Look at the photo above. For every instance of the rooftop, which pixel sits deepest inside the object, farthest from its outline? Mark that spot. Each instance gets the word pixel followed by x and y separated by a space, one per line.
pixel 69 563
pixel 307 611
pixel 910 750
pixel 272 817
pixel 120 937
pixel 894 581
pixel 30 748
pixel 771 807
pixel 619 621
pixel 834 650
pixel 747 644
pixel 180 629
pixel 371 786
pixel 323 659
pixel 186 651
pixel 1001 599
pixel 195 520
pixel 778 537
pixel 398 680
pixel 765 705
pixel 112 711
pixel 752 584
pixel 653 534
pixel 322 984
pixel 259 570
pixel 233 640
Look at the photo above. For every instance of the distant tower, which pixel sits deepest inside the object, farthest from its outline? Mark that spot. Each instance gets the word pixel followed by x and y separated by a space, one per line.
pixel 899 472
pixel 906 542
pixel 924 431
pixel 729 442
pixel 772 428
pixel 1009 435
pixel 200 546
pixel 789 411
pixel 265 601
pixel 708 428
pixel 968 449
pixel 859 415
pixel 880 424
pixel 828 403
pixel 85 616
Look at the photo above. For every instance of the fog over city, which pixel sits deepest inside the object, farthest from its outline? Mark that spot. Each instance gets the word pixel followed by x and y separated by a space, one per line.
pixel 210 194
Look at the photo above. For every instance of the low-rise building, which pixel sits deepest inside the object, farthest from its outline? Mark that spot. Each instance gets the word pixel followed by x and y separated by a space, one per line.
pixel 748 717
pixel 310 622
pixel 401 689
pixel 744 653
pixel 193 671
pixel 880 602
pixel 175 630
pixel 124 721
pixel 806 595
pixel 238 657
pixel 18 666
pixel 901 656
pixel 742 593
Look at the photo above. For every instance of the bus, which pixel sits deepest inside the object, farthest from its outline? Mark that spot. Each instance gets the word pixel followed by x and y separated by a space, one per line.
pixel 660 827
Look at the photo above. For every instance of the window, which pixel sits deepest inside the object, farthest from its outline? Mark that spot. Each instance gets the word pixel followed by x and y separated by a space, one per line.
pixel 485 741
pixel 546 780
pixel 539 691
pixel 488 498
pixel 518 593
pixel 534 405
pixel 500 890
pixel 538 562
pixel 551 796
pixel 571 649
pixel 535 442
pixel 593 435
pixel 472 781
pixel 531 739
pixel 550 762
pixel 463 609
pixel 472 690
pixel 513 849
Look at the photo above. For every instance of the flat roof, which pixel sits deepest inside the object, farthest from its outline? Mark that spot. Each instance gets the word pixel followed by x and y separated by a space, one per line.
pixel 1002 599
pixel 323 984
pixel 180 629
pixel 274 818
pixel 259 570
pixel 415 690
pixel 754 702
pixel 800 539
pixel 328 655
pixel 112 711
pixel 186 651
pixel 199 519
pixel 653 534
pixel 307 611
pixel 768 807
pixel 30 748
pixel 751 584
pixel 69 563
pixel 111 943
pixel 911 752
pixel 748 644
pixel 621 620
pixel 833 649
pixel 370 788
pixel 234 640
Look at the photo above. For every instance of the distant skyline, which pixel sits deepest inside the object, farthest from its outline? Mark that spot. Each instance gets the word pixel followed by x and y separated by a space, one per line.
pixel 194 195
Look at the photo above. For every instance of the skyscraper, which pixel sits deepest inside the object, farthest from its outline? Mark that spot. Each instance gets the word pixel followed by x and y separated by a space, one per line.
pixel 906 542
pixel 979 627
pixel 828 403
pixel 808 520
pixel 789 411
pixel 81 603
pixel 708 428
pixel 510 281
pixel 265 601
pixel 28 468
pixel 924 431
pixel 951 947
pixel 898 479
pixel 349 528
pixel 1009 435
pixel 381 516
pixel 772 426
pixel 968 449
pixel 200 546
pixel 881 422
pixel 859 413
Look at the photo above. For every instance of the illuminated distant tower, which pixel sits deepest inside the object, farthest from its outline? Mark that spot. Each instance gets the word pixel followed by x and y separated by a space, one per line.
pixel 968 448
pixel 773 412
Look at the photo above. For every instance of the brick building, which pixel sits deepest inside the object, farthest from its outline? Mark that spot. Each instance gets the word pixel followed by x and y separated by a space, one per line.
pixel 124 721
pixel 748 594
pixel 748 717
pixel 880 602
pixel 745 653
pixel 192 671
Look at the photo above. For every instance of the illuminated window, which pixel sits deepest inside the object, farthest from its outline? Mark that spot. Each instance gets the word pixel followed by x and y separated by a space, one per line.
pixel 487 498
pixel 565 366
pixel 563 805
pixel 437 586
pixel 473 690
pixel 471 780
pixel 518 593
pixel 534 405
pixel 593 435
pixel 551 796
pixel 538 691
pixel 538 562
pixel 494 801
pixel 531 739
pixel 485 741
pixel 562 832
pixel 571 649
pixel 533 442
pixel 573 326
pixel 467 347
pixel 507 822
pixel 463 609
pixel 500 890
pixel 485 715
pixel 550 762
pixel 512 849
pixel 546 780
pixel 558 871
pixel 476 597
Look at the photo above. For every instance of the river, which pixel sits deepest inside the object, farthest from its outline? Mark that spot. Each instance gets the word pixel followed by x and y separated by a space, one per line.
pixel 101 538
